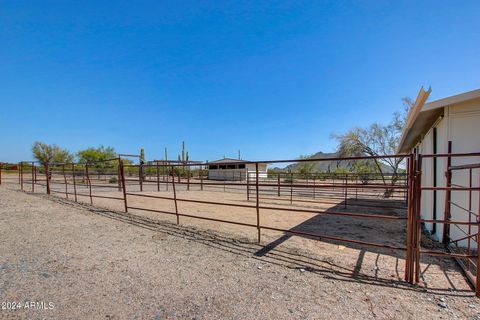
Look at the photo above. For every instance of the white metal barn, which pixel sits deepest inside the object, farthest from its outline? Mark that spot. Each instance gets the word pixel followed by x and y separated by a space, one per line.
pixel 430 128
pixel 235 170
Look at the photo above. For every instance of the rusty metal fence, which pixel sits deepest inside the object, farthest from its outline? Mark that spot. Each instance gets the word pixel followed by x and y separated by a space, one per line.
pixel 387 199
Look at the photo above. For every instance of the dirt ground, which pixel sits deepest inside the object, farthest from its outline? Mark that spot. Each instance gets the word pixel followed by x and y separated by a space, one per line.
pixel 93 263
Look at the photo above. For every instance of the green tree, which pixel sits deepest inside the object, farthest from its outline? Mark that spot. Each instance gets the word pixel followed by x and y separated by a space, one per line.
pixel 365 170
pixel 96 158
pixel 92 155
pixel 51 153
pixel 305 167
pixel 378 140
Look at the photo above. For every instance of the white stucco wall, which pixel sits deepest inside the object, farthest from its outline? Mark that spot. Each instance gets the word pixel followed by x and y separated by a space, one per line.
pixel 461 125
pixel 464 130
pixel 238 174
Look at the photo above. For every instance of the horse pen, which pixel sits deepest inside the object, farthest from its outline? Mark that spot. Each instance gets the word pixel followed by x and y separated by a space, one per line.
pixel 364 224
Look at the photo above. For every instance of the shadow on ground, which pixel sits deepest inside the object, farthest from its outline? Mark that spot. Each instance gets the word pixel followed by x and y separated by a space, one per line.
pixel 271 254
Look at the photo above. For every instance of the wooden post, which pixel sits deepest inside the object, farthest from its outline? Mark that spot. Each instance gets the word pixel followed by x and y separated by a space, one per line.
pixel 74 182
pixel 188 178
pixel 175 196
pixel 122 176
pixel 346 191
pixel 0 173
pixel 258 201
pixel 201 177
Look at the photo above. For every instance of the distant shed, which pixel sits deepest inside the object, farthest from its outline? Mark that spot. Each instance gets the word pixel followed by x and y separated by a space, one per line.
pixel 235 170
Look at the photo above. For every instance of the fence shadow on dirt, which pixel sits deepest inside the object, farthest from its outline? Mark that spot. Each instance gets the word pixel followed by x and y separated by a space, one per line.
pixel 293 259
pixel 388 232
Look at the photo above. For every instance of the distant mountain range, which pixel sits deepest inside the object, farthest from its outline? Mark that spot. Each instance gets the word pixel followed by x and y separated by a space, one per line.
pixel 327 166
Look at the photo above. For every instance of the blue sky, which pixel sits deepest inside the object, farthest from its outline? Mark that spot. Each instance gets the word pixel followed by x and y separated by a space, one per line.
pixel 272 79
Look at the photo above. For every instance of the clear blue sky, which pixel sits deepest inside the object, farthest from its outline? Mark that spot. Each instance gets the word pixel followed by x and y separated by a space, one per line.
pixel 274 80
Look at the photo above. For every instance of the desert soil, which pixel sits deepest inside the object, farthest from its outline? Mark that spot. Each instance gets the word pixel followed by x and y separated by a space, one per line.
pixel 101 263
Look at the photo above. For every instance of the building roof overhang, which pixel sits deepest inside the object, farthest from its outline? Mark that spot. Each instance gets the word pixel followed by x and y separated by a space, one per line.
pixel 423 116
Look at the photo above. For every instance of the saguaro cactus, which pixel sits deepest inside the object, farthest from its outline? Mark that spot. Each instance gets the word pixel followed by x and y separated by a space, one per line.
pixel 183 150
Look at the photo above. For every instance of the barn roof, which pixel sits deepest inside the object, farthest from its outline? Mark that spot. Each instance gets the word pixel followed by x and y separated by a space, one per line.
pixel 228 160
pixel 423 116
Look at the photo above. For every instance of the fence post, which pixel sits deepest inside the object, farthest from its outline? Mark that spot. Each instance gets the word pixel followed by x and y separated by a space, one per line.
pixel 408 256
pixel 356 186
pixel 48 178
pixel 119 175
pixel 0 173
pixel 140 176
pixel 278 184
pixel 346 190
pixel 33 177
pixel 65 181
pixel 258 201
pixel 469 217
pixel 201 177
pixel 89 184
pixel 175 195
pixel 166 175
pixel 448 196
pixel 477 282
pixel 74 182
pixel 418 217
pixel 21 175
pixel 314 185
pixel 248 185
pixel 122 177
pixel 158 177
pixel 291 188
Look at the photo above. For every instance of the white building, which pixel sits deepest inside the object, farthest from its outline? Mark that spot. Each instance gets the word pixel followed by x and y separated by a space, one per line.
pixel 429 128
pixel 235 170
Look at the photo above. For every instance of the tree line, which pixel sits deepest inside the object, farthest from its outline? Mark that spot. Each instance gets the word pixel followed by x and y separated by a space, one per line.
pixel 51 153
